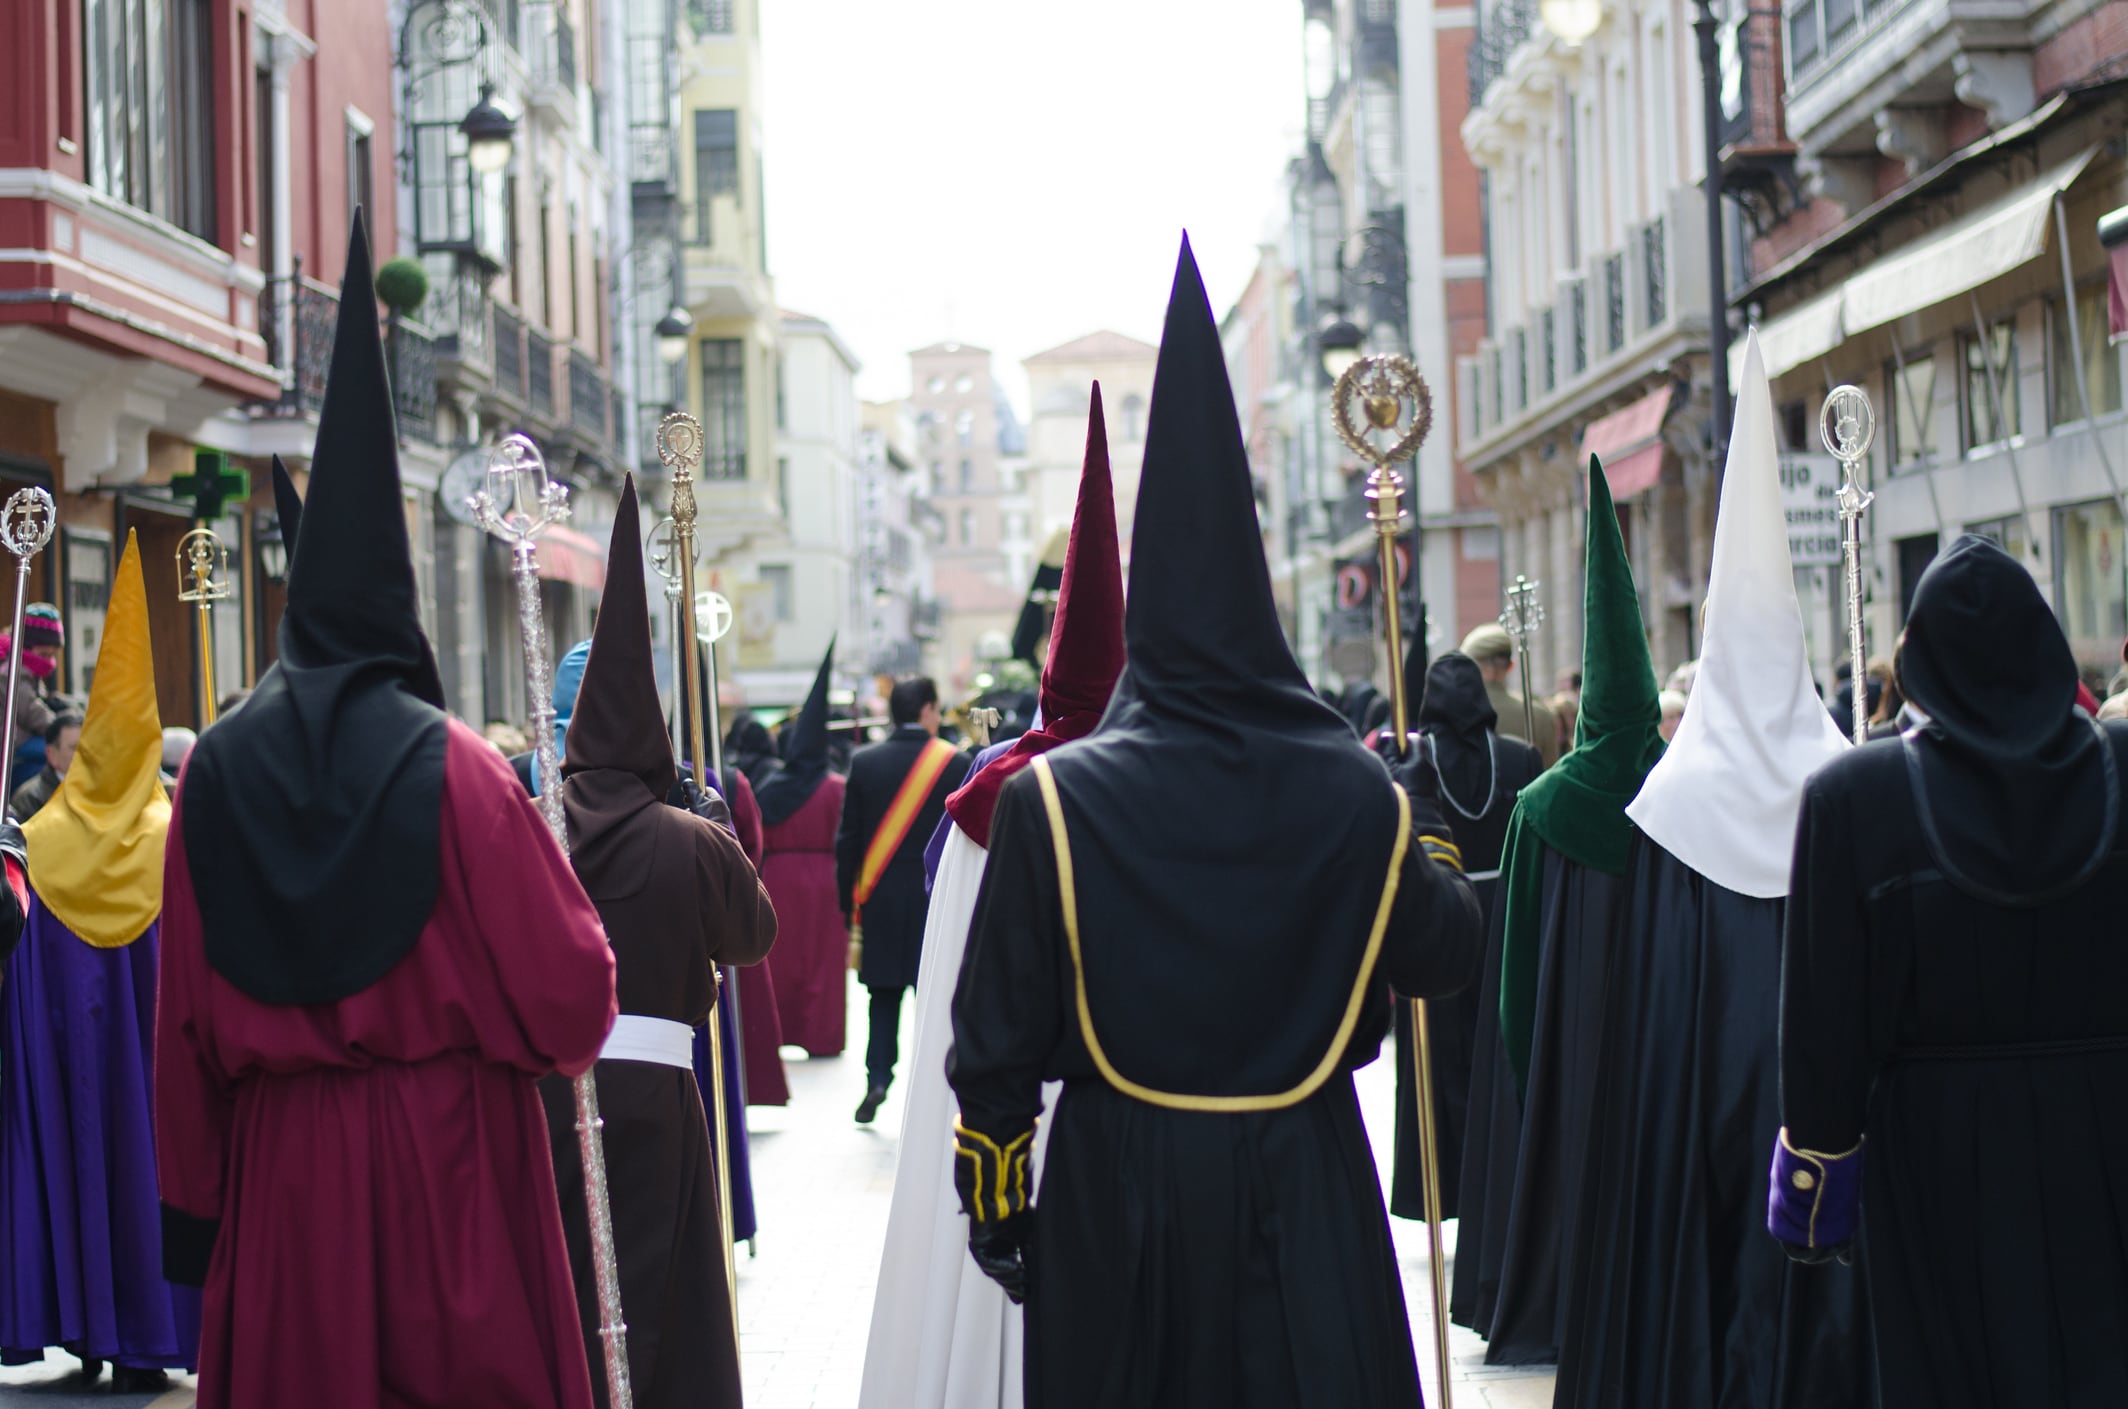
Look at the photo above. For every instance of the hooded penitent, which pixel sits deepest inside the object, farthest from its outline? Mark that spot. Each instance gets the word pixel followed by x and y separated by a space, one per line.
pixel 1048 581
pixel 1724 797
pixel 805 762
pixel 1457 718
pixel 1578 808
pixel 1085 644
pixel 96 849
pixel 312 816
pixel 617 765
pixel 2014 786
pixel 1212 728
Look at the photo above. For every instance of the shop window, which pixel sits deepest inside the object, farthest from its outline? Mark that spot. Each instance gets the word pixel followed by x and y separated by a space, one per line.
pixel 2086 376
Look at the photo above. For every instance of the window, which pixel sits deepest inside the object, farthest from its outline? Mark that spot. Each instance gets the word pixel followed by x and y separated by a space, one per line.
pixel 723 408
pixel 1990 371
pixel 776 577
pixel 1134 417
pixel 935 385
pixel 964 427
pixel 262 144
pixel 967 476
pixel 716 164
pixel 1803 43
pixel 1015 527
pixel 148 89
pixel 2089 375
pixel 2088 588
pixel 711 16
pixel 783 415
pixel 938 476
pixel 963 383
pixel 967 528
pixel 2008 534
pixel 359 168
pixel 1911 388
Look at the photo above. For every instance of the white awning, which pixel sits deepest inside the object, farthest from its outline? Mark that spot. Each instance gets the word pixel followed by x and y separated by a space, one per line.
pixel 1977 247
pixel 1802 334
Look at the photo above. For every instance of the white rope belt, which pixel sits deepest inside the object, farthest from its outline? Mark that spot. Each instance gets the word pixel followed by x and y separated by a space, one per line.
pixel 639 1039
pixel 1482 876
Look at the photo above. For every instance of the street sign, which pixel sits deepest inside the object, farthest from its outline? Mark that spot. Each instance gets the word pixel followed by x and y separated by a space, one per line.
pixel 713 616
pixel 1810 488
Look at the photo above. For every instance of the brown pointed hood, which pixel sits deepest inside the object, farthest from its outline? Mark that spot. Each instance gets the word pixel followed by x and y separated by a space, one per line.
pixel 618 765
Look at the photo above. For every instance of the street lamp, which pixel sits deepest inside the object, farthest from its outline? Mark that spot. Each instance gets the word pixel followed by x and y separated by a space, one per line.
pixel 673 332
pixel 1339 345
pixel 1573 21
pixel 490 134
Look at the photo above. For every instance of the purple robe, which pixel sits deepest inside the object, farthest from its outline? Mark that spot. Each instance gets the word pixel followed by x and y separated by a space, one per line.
pixel 78 1200
pixel 744 1225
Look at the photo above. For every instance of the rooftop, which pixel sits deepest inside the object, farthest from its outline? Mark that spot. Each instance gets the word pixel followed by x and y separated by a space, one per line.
pixel 1097 347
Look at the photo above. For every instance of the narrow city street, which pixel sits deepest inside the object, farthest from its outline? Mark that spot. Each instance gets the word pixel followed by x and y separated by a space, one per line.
pixel 822 1185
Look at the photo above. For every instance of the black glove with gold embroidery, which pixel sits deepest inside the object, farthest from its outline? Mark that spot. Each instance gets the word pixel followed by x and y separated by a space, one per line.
pixel 1000 1250
pixel 1416 775
pixel 993 1178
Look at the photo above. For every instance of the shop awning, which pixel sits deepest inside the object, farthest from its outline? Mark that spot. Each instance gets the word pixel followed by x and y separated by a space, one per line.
pixel 1803 334
pixel 1977 247
pixel 568 556
pixel 1629 442
pixel 2113 234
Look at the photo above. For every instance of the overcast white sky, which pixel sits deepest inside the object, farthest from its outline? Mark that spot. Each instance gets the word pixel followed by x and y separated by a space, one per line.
pixel 1014 173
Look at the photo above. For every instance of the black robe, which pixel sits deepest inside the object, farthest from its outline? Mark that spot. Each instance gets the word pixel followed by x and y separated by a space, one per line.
pixel 1679 1300
pixel 1144 1213
pixel 1465 1023
pixel 1979 1050
pixel 1582 910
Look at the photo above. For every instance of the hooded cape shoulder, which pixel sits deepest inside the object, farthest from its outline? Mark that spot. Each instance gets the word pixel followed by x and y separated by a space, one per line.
pixel 1578 807
pixel 313 816
pixel 1724 797
pixel 96 849
pixel 1085 644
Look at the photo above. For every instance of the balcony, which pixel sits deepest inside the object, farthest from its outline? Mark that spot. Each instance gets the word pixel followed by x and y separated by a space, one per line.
pixel 1539 371
pixel 1501 28
pixel 1859 70
pixel 551 58
pixel 457 312
pixel 539 373
pixel 297 316
pixel 411 352
pixel 724 274
pixel 590 399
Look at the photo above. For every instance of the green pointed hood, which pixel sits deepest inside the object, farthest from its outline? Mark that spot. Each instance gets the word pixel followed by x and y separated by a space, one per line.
pixel 1578 807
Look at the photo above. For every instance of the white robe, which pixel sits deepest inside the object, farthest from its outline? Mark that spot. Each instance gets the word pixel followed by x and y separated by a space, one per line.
pixel 943 1334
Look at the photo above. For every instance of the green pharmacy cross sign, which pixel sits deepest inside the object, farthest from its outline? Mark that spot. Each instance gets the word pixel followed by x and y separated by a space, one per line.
pixel 211 484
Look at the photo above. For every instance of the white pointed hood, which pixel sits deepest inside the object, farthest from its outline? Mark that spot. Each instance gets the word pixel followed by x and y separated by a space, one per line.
pixel 1724 797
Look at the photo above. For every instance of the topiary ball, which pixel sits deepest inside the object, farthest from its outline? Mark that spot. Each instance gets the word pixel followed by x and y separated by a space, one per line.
pixel 402 284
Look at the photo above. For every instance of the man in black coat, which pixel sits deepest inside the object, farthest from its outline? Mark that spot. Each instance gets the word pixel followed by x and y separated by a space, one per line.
pixel 887 901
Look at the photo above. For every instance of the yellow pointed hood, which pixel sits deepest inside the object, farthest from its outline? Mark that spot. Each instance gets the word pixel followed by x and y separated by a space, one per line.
pixel 96 849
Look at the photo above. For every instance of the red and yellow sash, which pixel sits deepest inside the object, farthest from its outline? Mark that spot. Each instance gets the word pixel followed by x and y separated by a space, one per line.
pixel 894 827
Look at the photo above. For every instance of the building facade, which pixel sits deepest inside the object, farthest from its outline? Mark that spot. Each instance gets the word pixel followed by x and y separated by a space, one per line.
pixel 898 528
pixel 1942 251
pixel 1591 158
pixel 973 451
pixel 1060 384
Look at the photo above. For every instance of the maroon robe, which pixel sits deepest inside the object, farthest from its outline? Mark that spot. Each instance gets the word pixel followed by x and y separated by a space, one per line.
pixel 813 945
pixel 760 1029
pixel 390 1234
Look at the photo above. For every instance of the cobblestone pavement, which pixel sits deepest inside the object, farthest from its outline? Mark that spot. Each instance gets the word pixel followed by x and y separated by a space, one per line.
pixel 821 1184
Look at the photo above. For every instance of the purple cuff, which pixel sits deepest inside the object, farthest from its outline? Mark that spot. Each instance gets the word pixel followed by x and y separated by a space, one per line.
pixel 1813 1200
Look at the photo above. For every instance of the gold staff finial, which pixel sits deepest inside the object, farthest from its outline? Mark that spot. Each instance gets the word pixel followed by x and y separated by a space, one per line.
pixel 203 558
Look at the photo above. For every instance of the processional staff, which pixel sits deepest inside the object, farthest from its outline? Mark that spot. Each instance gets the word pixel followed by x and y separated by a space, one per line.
pixel 519 503
pixel 1524 614
pixel 680 448
pixel 1847 425
pixel 203 557
pixel 1382 385
pixel 26 524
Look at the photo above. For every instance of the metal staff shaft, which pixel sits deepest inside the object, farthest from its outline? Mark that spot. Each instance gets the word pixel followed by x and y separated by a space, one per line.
pixel 201 554
pixel 519 525
pixel 680 446
pixel 1848 424
pixel 1524 614
pixel 26 525
pixel 1383 384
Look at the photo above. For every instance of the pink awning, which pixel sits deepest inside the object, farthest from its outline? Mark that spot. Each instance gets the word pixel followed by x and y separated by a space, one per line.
pixel 568 556
pixel 1629 443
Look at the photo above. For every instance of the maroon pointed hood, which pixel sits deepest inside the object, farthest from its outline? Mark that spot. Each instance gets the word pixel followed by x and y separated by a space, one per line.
pixel 1085 642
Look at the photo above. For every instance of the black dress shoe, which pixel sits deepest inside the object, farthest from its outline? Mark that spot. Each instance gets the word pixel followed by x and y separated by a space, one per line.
pixel 869 1106
pixel 129 1379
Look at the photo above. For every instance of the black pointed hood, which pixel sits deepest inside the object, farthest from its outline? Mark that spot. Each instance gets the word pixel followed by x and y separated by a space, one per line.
pixel 618 766
pixel 287 507
pixel 312 816
pixel 1215 759
pixel 805 762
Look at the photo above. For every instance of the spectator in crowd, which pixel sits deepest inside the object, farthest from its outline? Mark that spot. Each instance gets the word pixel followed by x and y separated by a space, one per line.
pixel 60 737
